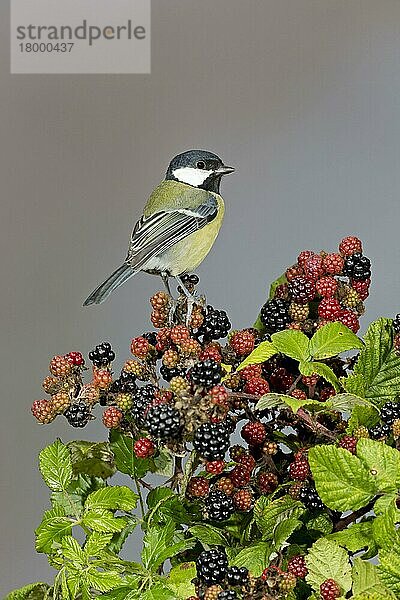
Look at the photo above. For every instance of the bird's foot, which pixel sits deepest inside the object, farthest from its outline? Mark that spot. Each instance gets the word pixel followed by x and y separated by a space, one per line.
pixel 173 305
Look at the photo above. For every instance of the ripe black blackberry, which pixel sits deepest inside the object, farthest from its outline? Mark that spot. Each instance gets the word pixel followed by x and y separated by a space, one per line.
pixel 275 315
pixel 215 326
pixel 102 355
pixel 390 412
pixel 78 414
pixel 396 323
pixel 380 431
pixel 237 576
pixel 168 374
pixel 227 595
pixel 309 497
pixel 211 440
pixel 357 267
pixel 219 506
pixel 302 289
pixel 151 337
pixel 163 421
pixel 211 566
pixel 206 373
pixel 141 399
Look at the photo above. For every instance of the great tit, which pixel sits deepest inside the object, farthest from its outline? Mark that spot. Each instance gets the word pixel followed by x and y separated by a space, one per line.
pixel 179 225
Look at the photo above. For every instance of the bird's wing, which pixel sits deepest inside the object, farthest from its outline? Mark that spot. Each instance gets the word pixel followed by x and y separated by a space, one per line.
pixel 156 233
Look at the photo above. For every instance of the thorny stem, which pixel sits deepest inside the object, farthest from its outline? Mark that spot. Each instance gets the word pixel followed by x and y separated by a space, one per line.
pixel 343 523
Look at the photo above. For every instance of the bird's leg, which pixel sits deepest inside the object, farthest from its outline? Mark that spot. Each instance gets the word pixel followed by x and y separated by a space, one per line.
pixel 190 299
pixel 174 303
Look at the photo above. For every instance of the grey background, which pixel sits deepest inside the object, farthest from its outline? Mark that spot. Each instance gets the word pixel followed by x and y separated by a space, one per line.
pixel 301 95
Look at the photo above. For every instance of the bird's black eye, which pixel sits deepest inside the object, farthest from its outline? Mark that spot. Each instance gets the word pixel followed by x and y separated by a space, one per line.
pixel 201 164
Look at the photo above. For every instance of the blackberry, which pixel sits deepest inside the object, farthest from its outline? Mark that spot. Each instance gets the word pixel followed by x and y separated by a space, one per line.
pixel 151 337
pixel 309 497
pixel 102 355
pixel 254 433
pixel 215 326
pixel 240 476
pixel 78 414
pixel 212 566
pixel 227 595
pixel 112 417
pixel 219 506
pixel 390 412
pixel 329 590
pixel 206 373
pixel 297 566
pixel 348 443
pixel 144 448
pixel 350 245
pixel 126 382
pixel 163 421
pixel 299 469
pixel 287 582
pixel 396 323
pixel 258 386
pixel 237 576
pixel 225 485
pixel 267 482
pixel 275 315
pixel 357 267
pixel 215 467
pixel 198 487
pixel 211 441
pixel 242 342
pixel 243 500
pixel 302 289
pixel 168 374
pixel 42 410
pixel 141 399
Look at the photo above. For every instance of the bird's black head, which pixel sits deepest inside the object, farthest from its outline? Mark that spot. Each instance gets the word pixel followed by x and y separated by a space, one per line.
pixel 198 168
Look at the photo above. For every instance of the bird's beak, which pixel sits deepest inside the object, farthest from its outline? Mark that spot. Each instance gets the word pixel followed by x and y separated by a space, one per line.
pixel 224 170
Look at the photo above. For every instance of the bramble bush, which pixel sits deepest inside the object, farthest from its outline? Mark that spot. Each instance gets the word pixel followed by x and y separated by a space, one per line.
pixel 306 507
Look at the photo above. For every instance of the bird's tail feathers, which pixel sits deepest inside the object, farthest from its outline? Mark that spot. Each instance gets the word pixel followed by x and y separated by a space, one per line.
pixel 122 274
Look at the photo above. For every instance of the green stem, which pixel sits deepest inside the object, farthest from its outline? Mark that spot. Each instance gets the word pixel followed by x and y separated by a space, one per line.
pixel 141 502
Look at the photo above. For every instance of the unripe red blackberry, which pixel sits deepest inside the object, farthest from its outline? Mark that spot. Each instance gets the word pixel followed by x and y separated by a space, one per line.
pixel 310 380
pixel 326 393
pixel 293 271
pixel 313 267
pixel 282 291
pixel 60 366
pixel 170 358
pixel 329 308
pixel 112 417
pixel 299 394
pixel 270 448
pixel 211 352
pixel 349 318
pixel 257 386
pixel 329 590
pixel 297 566
pixel 198 487
pixel 251 371
pixel 281 380
pixel 179 334
pixel 302 289
pixel 243 500
pixel 361 287
pixel 247 461
pixel 140 347
pixel 242 342
pixel 215 467
pixel 179 385
pixel 240 476
pixel 51 385
pixel 396 344
pixel 60 402
pixel 219 396
pixel 299 469
pixel 350 245
pixel 348 443
pixel 298 312
pixel 326 286
pixel 43 412
pixel 102 378
pixel 190 347
pixel 224 484
pixel 76 358
pixel 160 300
pixel 254 433
pixel 267 482
pixel 333 264
pixel 219 506
pixel 304 256
pixel 144 448
pixel 287 582
pixel 124 401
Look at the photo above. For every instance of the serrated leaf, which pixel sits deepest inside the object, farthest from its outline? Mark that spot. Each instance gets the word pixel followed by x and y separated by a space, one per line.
pixel 332 339
pixel 96 542
pixel 157 494
pixel 255 558
pixel 103 521
pixel 382 461
pixel 33 591
pixel 366 416
pixel 384 502
pixel 327 560
pixel 356 537
pixel 120 537
pixel 55 466
pixel 341 479
pixel 320 522
pixel 103 581
pixel 156 540
pixel 346 402
pixel 384 528
pixel 53 527
pixel 115 498
pixel 72 550
pixel 180 578
pixel 172 550
pixel 268 514
pixel 389 569
pixel 120 593
pixel 92 458
pixel 354 384
pixel 366 578
pixel 208 535
pixel 282 401
pixel 263 352
pixel 125 458
pixel 378 364
pixel 163 463
pixel 311 368
pixel 158 592
pixel 292 343
pixel 284 530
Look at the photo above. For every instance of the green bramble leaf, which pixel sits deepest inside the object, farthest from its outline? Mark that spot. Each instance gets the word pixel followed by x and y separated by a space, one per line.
pixel 156 541
pixel 384 528
pixel 72 551
pixel 327 560
pixel 33 591
pixel 180 580
pixel 119 538
pixel 114 498
pixel 120 593
pixel 384 503
pixel 97 542
pixel 263 352
pixel 103 581
pixel 356 537
pixel 92 458
pixel 55 466
pixel 378 364
pixel 284 530
pixel 311 368
pixel 159 591
pixel 342 480
pixel 346 402
pixel 255 558
pixel 104 521
pixel 382 461
pixel 281 401
pixel 366 416
pixel 125 458
pixel 332 339
pixel 366 579
pixel 208 535
pixel 320 522
pixel 268 514
pixel 354 384
pixel 389 569
pixel 163 463
pixel 52 529
pixel 292 343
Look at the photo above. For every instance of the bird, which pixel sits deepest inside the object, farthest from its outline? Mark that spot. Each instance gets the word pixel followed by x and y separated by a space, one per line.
pixel 178 227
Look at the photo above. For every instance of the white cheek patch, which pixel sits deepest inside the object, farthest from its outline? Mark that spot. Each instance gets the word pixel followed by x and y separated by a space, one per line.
pixel 191 176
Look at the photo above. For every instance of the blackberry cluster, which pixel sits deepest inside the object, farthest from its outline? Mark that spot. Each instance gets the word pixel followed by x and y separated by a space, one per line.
pixel 309 497
pixel 212 566
pixel 206 373
pixel 219 506
pixel 163 421
pixel 78 414
pixel 390 412
pixel 141 399
pixel 169 374
pixel 357 267
pixel 275 315
pixel 237 576
pixel 211 441
pixel 102 355
pixel 125 383
pixel 215 326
